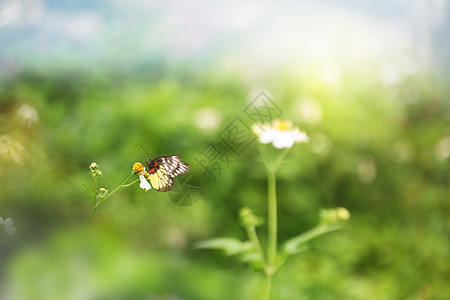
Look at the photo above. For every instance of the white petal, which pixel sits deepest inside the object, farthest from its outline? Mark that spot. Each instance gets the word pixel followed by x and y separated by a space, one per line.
pixel 283 140
pixel 144 183
pixel 8 222
pixel 300 136
pixel 267 136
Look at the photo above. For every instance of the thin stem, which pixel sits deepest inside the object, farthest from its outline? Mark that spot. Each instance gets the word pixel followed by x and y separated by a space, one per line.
pixel 253 237
pixel 268 286
pixel 90 217
pixel 100 201
pixel 272 221
pixel 117 188
pixel 272 224
pixel 131 183
pixel 280 158
pixel 95 190
pixel 265 155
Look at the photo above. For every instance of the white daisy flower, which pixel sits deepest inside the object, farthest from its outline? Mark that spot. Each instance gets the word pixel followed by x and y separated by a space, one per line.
pixel 144 183
pixel 8 226
pixel 140 169
pixel 280 133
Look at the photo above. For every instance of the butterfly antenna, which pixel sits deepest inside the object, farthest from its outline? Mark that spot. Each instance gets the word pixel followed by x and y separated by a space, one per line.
pixel 146 153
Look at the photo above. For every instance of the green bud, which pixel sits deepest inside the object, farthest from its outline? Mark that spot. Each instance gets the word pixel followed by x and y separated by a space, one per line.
pixel 96 173
pixel 102 193
pixel 248 218
pixel 333 215
pixel 342 213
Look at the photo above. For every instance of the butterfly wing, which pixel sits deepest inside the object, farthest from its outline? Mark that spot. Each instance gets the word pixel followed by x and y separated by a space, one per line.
pixel 166 168
pixel 182 168
pixel 161 180
pixel 169 162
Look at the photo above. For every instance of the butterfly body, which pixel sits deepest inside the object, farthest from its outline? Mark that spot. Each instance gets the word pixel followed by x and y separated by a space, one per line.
pixel 162 170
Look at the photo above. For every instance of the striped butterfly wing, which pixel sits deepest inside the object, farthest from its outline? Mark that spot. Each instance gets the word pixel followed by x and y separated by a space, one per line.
pixel 160 180
pixel 165 168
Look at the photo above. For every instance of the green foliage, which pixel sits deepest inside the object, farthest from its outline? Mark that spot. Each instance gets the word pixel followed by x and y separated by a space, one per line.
pixel 296 244
pixel 230 246
pixel 379 150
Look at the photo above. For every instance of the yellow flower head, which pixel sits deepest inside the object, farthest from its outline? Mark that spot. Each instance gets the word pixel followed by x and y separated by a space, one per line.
pixel 282 124
pixel 138 168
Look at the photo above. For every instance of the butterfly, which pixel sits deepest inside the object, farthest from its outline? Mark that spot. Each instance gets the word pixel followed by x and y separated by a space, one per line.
pixel 162 170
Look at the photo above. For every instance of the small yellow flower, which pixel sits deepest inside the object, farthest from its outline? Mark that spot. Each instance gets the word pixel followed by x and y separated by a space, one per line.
pixel 93 166
pixel 280 133
pixel 138 168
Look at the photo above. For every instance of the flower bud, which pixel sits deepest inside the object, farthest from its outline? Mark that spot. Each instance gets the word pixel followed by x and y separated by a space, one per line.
pixel 95 171
pixel 334 215
pixel 342 213
pixel 102 193
pixel 248 218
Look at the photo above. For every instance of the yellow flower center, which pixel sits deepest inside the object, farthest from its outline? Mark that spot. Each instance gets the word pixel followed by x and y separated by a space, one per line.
pixel 138 168
pixel 282 124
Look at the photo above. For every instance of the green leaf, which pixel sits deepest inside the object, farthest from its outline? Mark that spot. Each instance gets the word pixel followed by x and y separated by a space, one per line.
pixel 89 191
pixel 296 244
pixel 228 245
pixel 252 257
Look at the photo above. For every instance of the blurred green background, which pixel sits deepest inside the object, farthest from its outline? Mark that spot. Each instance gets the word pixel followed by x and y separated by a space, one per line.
pixel 84 81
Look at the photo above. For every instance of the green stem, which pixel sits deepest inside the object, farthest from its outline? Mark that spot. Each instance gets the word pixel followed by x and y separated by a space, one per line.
pixel 268 286
pixel 253 237
pixel 94 200
pixel 280 158
pixel 317 231
pixel 265 155
pixel 90 217
pixel 272 224
pixel 272 221
pixel 131 183
pixel 100 201
pixel 117 188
